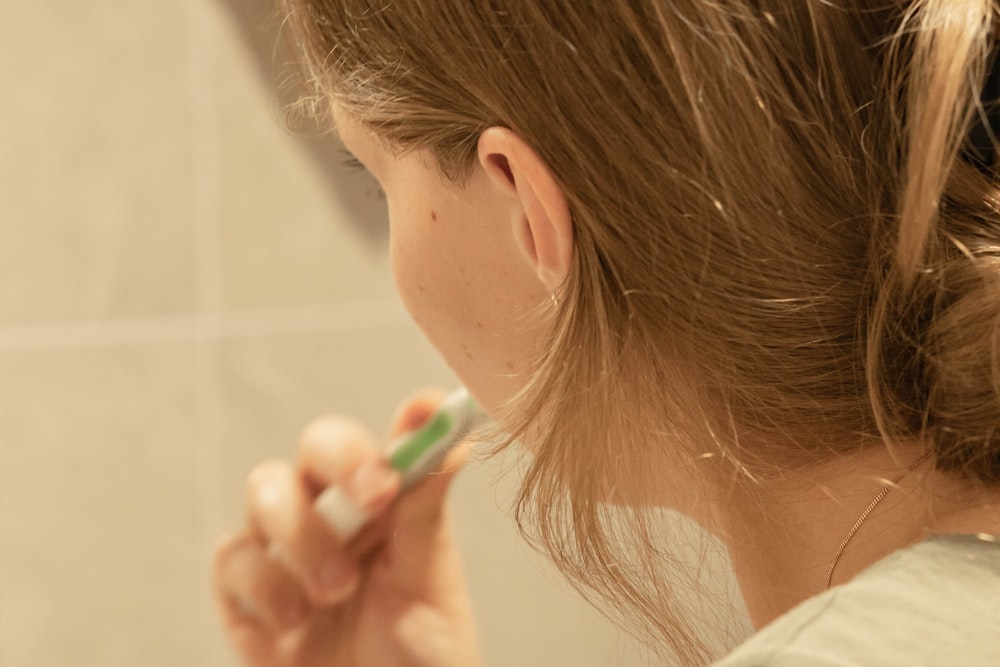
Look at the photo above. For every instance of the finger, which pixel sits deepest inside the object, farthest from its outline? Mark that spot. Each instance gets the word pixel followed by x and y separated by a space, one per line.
pixel 341 457
pixel 415 411
pixel 281 514
pixel 332 447
pixel 419 525
pixel 419 552
pixel 254 590
pixel 422 507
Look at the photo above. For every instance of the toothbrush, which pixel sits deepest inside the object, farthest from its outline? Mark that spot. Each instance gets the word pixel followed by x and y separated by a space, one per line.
pixel 414 455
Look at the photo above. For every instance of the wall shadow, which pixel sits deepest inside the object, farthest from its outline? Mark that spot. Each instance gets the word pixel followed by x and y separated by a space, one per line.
pixel 259 23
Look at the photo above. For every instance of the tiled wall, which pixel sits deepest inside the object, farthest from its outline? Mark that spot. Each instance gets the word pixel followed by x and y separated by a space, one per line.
pixel 183 286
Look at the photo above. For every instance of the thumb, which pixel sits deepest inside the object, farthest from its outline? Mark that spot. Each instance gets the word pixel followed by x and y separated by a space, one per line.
pixel 420 551
pixel 428 493
pixel 415 411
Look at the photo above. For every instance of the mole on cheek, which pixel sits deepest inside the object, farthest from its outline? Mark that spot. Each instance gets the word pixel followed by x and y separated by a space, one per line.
pixel 434 216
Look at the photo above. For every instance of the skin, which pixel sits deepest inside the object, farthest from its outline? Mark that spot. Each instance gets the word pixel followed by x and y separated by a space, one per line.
pixel 521 209
pixel 399 601
pixel 470 263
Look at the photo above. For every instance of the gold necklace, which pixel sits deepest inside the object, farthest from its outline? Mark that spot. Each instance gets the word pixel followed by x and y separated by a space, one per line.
pixel 868 510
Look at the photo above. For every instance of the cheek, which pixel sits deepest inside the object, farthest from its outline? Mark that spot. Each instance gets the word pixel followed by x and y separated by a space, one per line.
pixel 444 288
pixel 457 284
pixel 426 265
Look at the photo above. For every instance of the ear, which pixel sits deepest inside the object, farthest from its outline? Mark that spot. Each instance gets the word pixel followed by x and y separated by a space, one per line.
pixel 541 220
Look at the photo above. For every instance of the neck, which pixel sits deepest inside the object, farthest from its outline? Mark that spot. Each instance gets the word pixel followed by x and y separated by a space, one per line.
pixel 783 542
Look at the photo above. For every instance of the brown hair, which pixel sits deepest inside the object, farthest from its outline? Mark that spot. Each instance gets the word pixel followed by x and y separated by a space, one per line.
pixel 779 254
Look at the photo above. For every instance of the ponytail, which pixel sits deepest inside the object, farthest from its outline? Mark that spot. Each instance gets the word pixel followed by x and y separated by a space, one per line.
pixel 934 335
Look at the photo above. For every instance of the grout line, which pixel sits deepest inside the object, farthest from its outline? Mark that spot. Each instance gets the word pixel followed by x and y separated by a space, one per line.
pixel 206 329
pixel 208 326
pixel 205 168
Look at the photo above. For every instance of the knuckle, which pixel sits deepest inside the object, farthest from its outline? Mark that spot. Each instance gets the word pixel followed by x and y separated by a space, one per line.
pixel 225 542
pixel 229 564
pixel 330 429
pixel 334 438
pixel 269 491
pixel 263 476
pixel 261 589
pixel 416 409
pixel 224 546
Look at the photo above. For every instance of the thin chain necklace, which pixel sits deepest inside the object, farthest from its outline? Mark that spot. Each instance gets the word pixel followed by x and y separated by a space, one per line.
pixel 868 510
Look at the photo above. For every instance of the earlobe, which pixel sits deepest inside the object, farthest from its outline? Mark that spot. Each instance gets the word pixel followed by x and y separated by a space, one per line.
pixel 541 221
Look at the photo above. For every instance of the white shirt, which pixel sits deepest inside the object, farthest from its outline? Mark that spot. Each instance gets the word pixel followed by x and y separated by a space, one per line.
pixel 936 603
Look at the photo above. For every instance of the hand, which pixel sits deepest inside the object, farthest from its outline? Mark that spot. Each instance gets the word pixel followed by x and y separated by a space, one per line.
pixel 294 594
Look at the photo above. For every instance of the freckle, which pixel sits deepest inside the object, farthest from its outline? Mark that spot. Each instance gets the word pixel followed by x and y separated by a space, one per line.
pixel 468 356
pixel 461 270
pixel 479 324
pixel 434 216
pixel 510 366
pixel 420 288
pixel 467 283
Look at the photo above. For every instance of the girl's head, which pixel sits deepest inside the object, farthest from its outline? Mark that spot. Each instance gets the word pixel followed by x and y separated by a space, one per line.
pixel 774 253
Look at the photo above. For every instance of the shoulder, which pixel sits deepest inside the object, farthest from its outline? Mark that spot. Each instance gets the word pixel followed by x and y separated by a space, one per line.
pixel 935 603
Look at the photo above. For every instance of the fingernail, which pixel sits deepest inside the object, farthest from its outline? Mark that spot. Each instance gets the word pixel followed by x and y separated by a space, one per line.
pixel 349 507
pixel 245 607
pixel 372 484
pixel 293 613
pixel 278 553
pixel 340 512
pixel 336 582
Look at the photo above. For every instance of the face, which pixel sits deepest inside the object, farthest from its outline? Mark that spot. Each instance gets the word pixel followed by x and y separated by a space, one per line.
pixel 458 266
pixel 462 270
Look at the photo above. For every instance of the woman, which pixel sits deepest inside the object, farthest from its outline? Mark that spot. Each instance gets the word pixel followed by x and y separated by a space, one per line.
pixel 738 259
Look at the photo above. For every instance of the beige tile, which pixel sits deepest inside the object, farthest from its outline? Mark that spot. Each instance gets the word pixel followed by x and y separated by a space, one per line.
pixel 296 228
pixel 528 616
pixel 96 166
pixel 101 549
pixel 273 387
